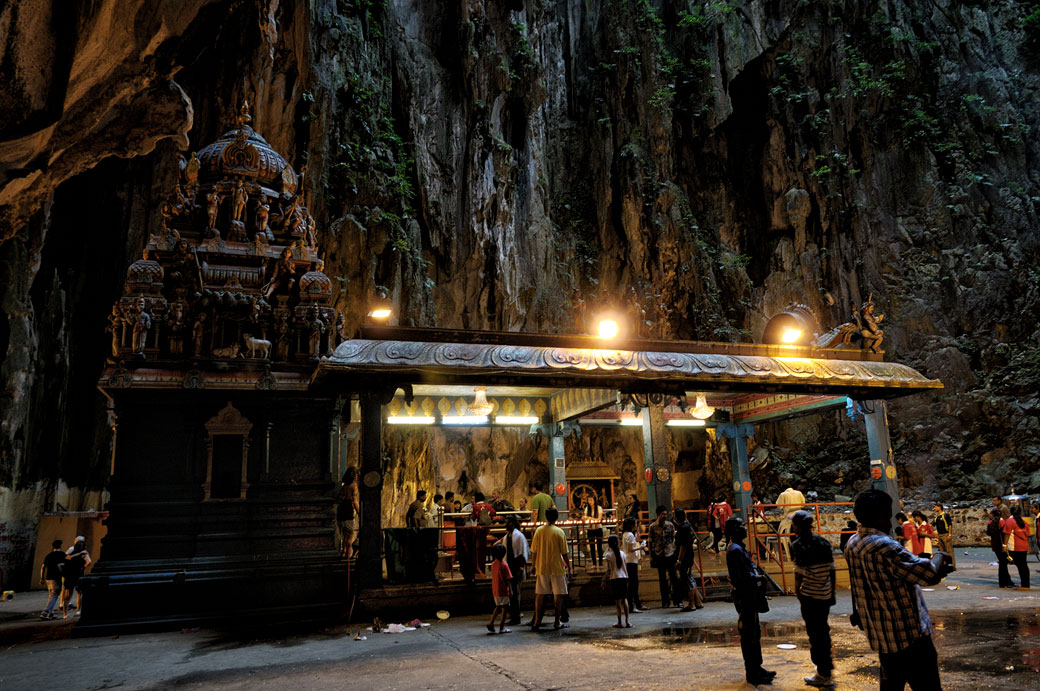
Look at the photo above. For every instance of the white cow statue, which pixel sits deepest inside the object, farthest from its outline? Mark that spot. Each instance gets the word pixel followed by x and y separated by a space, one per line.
pixel 254 345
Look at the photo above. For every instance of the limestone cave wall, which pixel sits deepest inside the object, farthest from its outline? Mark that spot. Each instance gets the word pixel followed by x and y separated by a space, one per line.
pixel 482 160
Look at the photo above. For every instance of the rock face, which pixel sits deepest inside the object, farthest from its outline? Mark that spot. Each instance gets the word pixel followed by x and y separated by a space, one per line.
pixel 481 161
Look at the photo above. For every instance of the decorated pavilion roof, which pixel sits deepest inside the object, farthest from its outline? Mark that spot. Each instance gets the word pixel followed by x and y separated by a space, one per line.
pixel 747 368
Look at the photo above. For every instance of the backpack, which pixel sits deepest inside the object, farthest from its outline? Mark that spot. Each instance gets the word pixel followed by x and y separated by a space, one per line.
pixel 484 517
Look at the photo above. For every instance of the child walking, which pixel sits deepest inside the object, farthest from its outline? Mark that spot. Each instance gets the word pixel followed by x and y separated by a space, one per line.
pixel 617 575
pixel 500 576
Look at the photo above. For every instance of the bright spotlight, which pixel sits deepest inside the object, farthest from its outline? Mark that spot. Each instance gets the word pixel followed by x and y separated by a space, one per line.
pixel 791 335
pixel 608 328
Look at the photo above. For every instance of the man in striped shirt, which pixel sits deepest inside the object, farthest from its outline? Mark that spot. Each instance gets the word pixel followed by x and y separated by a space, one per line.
pixel 814 578
pixel 887 602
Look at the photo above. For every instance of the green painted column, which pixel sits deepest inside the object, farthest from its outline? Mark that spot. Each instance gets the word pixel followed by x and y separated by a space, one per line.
pixel 882 464
pixel 736 441
pixel 657 470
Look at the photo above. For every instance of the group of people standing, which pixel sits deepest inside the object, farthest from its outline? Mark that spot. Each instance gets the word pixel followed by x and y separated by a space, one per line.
pixel 61 572
pixel 1012 537
pixel 887 601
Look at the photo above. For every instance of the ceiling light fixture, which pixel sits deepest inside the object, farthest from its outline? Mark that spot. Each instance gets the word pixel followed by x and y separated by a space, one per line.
pixel 465 420
pixel 410 420
pixel 702 411
pixel 516 420
pixel 480 405
pixel 686 423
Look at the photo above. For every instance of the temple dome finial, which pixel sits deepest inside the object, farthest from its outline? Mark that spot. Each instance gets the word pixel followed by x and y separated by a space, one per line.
pixel 244 118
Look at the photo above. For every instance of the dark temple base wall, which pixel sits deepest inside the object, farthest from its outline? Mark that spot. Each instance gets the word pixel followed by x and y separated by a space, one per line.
pixel 172 558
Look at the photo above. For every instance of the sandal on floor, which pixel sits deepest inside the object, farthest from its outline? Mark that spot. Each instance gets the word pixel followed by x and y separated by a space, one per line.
pixel 618 626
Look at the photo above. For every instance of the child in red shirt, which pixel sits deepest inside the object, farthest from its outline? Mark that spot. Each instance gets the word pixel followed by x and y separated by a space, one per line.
pixel 500 576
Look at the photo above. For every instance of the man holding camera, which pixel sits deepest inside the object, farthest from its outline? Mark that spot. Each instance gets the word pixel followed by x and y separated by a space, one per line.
pixel 887 602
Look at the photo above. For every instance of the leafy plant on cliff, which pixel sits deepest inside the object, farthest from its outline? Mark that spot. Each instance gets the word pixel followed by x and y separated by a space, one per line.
pixel 1031 26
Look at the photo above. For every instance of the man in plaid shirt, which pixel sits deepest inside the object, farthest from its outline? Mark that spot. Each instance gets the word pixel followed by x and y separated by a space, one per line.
pixel 887 602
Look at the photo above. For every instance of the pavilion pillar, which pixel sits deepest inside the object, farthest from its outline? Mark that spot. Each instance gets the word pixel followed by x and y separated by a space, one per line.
pixel 657 470
pixel 370 532
pixel 736 441
pixel 557 433
pixel 879 442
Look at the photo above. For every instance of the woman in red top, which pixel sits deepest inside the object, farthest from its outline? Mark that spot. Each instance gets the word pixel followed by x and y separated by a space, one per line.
pixel 925 532
pixel 1016 529
pixel 911 540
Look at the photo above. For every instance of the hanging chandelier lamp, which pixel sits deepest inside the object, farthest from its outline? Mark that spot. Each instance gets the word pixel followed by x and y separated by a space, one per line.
pixel 702 411
pixel 480 405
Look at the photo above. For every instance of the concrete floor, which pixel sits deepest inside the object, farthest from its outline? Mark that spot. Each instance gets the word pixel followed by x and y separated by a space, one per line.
pixel 993 644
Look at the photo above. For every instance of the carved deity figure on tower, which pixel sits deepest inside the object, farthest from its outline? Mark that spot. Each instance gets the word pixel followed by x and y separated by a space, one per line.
pixel 142 322
pixel 341 328
pixel 198 333
pixel 317 327
pixel 184 271
pixel 239 203
pixel 263 210
pixel 212 207
pixel 190 169
pixel 116 322
pixel 178 323
pixel 282 278
pixel 281 328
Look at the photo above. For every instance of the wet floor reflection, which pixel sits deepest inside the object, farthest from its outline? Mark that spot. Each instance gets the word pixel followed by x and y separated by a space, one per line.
pixel 994 643
pixel 987 643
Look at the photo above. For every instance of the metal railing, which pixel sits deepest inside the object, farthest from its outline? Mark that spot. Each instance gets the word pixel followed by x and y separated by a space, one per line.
pixel 773 539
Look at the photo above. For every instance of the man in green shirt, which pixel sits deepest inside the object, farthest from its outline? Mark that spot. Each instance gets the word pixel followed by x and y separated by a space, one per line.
pixel 549 550
pixel 540 502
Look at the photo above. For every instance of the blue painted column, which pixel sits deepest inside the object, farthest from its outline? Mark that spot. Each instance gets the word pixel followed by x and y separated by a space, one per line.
pixel 882 464
pixel 736 441
pixel 657 470
pixel 557 433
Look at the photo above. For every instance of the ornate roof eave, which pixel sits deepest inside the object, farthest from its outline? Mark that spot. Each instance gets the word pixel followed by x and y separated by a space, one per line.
pixel 410 361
